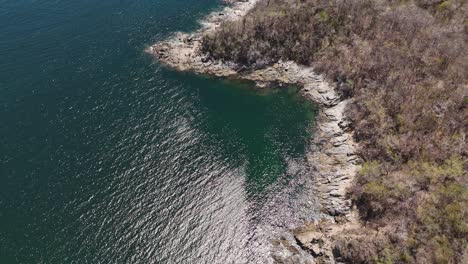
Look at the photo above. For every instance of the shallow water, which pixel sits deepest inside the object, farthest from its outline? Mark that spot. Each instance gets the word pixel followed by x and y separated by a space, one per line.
pixel 107 157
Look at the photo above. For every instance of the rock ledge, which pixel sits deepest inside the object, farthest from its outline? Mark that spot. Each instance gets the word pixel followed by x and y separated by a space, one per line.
pixel 333 153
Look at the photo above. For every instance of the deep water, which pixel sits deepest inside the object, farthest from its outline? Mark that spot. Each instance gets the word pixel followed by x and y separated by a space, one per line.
pixel 108 157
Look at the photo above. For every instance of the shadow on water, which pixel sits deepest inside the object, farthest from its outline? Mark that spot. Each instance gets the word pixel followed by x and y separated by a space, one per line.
pixel 266 132
pixel 106 157
pixel 259 128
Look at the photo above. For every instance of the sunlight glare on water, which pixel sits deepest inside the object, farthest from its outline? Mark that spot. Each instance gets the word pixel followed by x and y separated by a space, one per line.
pixel 108 157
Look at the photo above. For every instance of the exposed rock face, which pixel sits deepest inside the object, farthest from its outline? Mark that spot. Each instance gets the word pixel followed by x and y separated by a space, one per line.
pixel 311 240
pixel 286 253
pixel 335 157
pixel 319 238
pixel 333 153
pixel 182 51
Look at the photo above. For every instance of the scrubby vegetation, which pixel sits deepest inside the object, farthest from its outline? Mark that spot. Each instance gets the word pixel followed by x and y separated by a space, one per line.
pixel 405 64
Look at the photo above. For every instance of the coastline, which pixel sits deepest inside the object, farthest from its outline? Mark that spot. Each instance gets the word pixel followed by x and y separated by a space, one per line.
pixel 333 152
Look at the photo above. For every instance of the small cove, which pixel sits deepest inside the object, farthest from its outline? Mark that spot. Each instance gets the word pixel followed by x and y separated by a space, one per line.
pixel 109 157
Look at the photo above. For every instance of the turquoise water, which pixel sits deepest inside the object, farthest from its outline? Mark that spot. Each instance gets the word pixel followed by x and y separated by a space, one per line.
pixel 107 157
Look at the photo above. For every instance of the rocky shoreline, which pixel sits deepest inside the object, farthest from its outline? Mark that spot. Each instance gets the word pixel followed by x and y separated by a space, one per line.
pixel 333 152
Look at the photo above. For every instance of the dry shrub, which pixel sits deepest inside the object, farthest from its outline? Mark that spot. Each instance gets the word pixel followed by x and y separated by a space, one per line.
pixel 404 63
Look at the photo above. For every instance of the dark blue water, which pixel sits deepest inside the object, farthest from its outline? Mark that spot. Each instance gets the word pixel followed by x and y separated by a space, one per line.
pixel 107 157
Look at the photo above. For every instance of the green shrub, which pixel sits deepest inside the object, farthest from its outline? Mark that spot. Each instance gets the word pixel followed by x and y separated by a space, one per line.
pixel 370 169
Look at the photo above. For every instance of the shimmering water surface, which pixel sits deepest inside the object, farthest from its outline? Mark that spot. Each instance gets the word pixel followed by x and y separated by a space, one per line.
pixel 107 157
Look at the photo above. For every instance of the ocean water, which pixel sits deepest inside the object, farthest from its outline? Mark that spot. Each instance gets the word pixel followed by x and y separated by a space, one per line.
pixel 108 157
